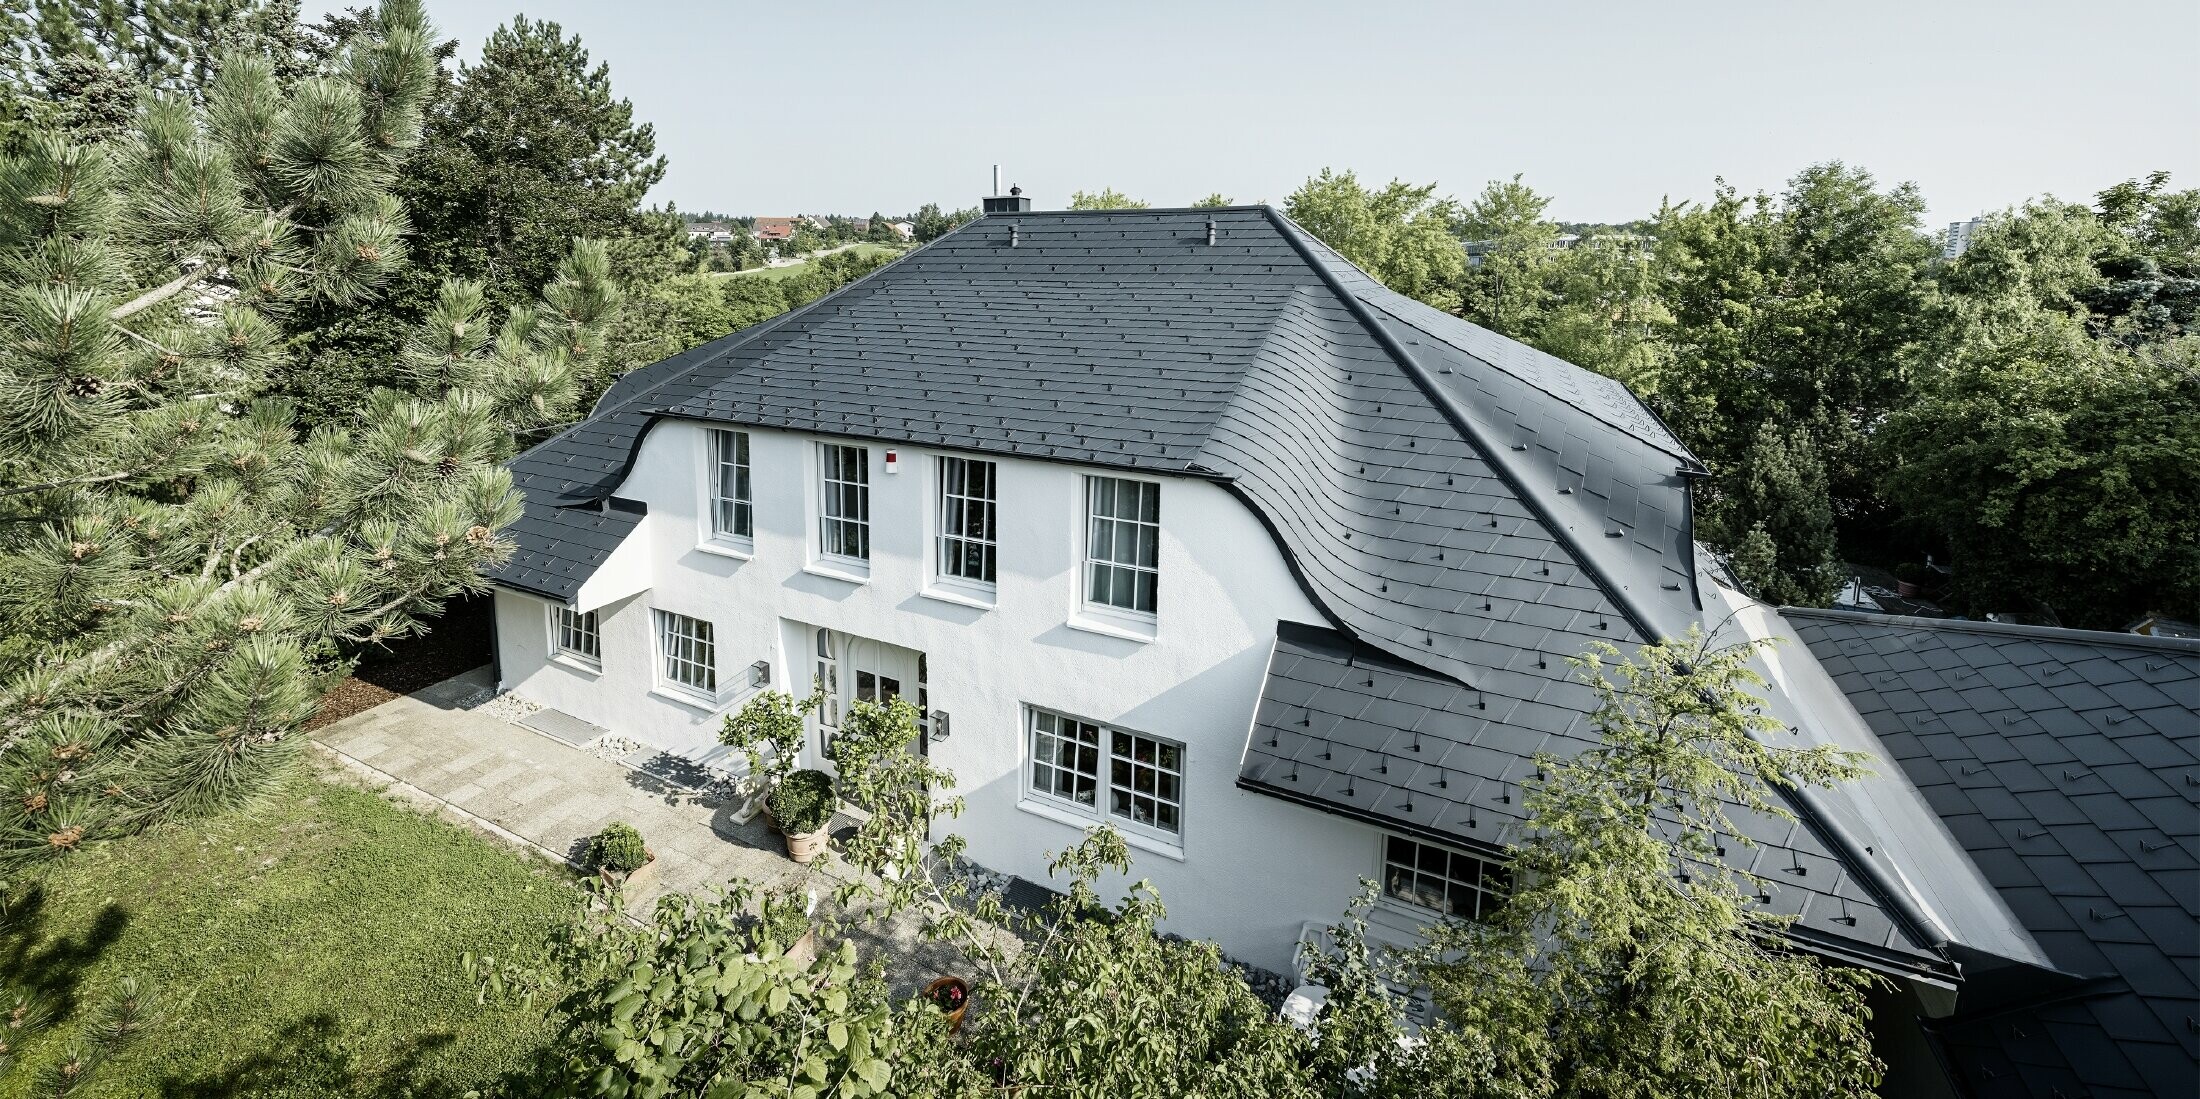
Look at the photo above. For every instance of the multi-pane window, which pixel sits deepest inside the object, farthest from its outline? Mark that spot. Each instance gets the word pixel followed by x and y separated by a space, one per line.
pixel 967 502
pixel 576 634
pixel 1122 543
pixel 1145 780
pixel 1440 879
pixel 1065 757
pixel 1143 776
pixel 733 510
pixel 688 651
pixel 844 511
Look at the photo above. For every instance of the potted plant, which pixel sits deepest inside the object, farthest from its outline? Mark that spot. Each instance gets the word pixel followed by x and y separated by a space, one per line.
pixel 951 995
pixel 617 854
pixel 785 923
pixel 768 730
pixel 802 805
pixel 1910 578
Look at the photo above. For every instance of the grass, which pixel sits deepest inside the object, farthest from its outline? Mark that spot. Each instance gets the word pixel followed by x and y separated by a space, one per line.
pixel 864 248
pixel 307 946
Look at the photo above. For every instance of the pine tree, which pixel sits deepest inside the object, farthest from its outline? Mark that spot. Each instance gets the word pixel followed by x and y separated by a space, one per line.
pixel 178 567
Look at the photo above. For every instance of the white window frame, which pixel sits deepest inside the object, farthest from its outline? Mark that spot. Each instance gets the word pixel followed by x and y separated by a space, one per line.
pixel 584 626
pixel 1118 570
pixel 956 534
pixel 700 651
pixel 1486 890
pixel 832 495
pixel 742 504
pixel 1113 773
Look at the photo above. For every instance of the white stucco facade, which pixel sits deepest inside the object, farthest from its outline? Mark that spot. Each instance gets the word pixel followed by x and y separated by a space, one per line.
pixel 1245 870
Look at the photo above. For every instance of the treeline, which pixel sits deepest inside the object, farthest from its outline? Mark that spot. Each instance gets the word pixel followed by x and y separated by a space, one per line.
pixel 674 314
pixel 2027 411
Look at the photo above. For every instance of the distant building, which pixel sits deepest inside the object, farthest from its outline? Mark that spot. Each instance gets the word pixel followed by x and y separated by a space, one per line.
pixel 862 225
pixel 773 229
pixel 712 230
pixel 904 230
pixel 1959 236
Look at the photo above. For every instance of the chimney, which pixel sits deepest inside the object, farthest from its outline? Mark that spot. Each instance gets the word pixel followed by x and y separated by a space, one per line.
pixel 1013 202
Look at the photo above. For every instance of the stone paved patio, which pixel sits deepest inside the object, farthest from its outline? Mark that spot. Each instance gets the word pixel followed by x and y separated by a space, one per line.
pixel 440 748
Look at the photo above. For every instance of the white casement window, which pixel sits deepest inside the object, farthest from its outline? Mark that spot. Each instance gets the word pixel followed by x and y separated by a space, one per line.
pixel 967 503
pixel 1438 879
pixel 573 634
pixel 844 504
pixel 687 652
pixel 1122 543
pixel 1109 774
pixel 732 508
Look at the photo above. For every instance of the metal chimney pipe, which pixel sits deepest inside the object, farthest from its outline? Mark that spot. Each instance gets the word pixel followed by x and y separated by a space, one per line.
pixel 996 179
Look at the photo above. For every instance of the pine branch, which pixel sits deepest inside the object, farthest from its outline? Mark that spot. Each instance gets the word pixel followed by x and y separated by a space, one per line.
pixel 158 294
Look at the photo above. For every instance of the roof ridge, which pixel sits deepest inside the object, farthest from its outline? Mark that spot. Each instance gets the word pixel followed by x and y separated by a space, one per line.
pixel 2004 629
pixel 1681 452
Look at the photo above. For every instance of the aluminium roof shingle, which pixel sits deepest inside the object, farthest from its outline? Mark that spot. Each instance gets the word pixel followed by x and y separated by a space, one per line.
pixel 2083 810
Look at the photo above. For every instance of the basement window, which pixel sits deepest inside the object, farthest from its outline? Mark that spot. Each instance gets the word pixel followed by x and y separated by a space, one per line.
pixel 1432 878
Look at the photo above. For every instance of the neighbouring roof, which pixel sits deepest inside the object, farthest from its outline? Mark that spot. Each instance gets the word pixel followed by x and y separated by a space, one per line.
pixel 2067 763
pixel 1465 506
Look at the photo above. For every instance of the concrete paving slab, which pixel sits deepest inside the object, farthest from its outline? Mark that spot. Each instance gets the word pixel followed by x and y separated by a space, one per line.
pixel 441 749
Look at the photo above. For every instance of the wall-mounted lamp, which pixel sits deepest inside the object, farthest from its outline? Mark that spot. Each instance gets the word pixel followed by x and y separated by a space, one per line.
pixel 939 725
pixel 893 461
pixel 760 673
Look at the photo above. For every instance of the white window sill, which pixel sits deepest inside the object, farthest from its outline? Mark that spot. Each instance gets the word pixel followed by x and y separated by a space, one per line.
pixel 1080 821
pixel 1129 629
pixel 581 664
pixel 693 700
pixel 739 550
pixel 962 595
pixel 834 568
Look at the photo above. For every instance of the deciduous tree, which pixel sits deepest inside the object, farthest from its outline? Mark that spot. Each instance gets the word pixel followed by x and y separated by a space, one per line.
pixel 1629 960
pixel 1400 234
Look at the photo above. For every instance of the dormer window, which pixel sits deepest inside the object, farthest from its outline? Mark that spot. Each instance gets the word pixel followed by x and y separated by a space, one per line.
pixel 1122 544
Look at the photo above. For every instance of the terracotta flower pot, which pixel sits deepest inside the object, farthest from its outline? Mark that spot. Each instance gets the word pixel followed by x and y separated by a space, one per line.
pixel 620 880
pixel 932 995
pixel 805 848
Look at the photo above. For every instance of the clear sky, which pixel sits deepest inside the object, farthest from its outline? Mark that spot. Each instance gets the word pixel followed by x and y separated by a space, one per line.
pixel 826 107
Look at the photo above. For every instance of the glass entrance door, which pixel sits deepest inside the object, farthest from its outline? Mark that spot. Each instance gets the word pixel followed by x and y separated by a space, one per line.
pixel 853 669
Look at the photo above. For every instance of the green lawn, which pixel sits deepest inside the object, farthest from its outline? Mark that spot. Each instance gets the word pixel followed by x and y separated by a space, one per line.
pixel 309 946
pixel 865 248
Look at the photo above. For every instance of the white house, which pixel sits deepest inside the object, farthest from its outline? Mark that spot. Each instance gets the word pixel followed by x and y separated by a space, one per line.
pixel 1176 521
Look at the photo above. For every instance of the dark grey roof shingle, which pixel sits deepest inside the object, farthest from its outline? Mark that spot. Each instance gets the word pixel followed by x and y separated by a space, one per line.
pixel 2099 857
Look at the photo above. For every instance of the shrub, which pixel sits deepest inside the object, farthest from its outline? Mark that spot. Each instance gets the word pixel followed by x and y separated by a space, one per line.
pixel 786 917
pixel 804 802
pixel 618 847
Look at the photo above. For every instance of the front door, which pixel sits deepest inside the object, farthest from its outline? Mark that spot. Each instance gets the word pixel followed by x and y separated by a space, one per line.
pixel 855 669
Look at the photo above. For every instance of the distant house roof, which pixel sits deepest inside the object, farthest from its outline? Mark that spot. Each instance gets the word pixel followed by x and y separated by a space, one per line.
pixel 2068 764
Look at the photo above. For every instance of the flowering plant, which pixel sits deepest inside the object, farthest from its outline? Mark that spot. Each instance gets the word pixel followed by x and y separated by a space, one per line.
pixel 950 997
